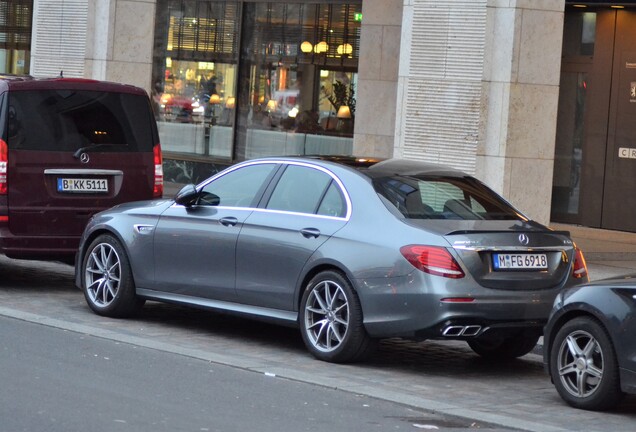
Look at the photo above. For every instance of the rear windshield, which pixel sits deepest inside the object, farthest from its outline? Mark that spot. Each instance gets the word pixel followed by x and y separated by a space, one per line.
pixel 440 197
pixel 66 120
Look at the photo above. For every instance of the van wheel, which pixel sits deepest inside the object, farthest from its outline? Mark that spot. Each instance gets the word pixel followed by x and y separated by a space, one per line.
pixel 331 320
pixel 107 280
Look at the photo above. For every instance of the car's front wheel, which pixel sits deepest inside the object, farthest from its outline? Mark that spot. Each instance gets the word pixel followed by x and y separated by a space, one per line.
pixel 331 320
pixel 504 348
pixel 583 365
pixel 107 280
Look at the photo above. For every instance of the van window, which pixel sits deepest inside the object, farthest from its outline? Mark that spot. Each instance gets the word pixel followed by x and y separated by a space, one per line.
pixel 65 120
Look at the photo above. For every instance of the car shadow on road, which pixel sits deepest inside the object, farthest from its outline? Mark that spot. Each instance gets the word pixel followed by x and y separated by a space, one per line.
pixel 424 358
pixel 36 276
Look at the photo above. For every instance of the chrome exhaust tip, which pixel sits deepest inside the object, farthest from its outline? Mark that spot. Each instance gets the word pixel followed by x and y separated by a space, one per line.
pixel 453 331
pixel 471 330
pixel 457 331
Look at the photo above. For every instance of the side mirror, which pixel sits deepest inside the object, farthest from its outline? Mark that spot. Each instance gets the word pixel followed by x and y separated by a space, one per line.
pixel 187 196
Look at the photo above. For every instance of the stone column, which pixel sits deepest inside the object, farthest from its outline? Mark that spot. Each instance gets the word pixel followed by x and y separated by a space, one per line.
pixel 376 97
pixel 520 92
pixel 119 42
pixel 100 39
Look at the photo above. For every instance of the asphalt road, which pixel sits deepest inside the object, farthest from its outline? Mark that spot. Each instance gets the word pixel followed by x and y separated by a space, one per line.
pixel 58 380
pixel 444 377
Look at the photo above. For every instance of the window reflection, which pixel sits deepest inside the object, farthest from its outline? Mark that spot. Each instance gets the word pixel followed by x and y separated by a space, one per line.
pixel 15 36
pixel 234 80
pixel 299 79
pixel 194 73
pixel 569 145
pixel 579 34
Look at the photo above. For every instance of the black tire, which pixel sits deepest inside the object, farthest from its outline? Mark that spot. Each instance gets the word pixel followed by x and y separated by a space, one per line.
pixel 504 348
pixel 583 365
pixel 107 280
pixel 331 320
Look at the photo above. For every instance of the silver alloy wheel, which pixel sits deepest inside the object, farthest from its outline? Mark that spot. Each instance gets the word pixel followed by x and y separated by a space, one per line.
pixel 327 316
pixel 102 274
pixel 580 363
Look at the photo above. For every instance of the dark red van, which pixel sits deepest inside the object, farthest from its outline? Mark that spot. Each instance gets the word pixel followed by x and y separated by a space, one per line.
pixel 68 149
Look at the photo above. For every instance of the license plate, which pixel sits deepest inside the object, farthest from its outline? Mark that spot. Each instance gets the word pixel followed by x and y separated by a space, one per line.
pixel 82 185
pixel 521 261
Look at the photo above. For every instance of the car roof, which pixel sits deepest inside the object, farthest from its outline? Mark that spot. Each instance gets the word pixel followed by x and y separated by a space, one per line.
pixel 27 82
pixel 407 167
pixel 377 167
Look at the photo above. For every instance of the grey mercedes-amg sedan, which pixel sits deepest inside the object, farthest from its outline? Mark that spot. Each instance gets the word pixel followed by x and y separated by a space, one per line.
pixel 348 250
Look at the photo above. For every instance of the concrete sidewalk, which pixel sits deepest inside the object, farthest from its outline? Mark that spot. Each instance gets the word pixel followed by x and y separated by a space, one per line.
pixel 608 253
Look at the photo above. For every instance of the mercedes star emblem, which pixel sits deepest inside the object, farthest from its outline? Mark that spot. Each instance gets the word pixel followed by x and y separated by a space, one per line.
pixel 523 239
pixel 84 158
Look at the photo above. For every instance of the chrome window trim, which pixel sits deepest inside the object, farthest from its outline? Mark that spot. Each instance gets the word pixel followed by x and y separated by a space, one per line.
pixel 291 213
pixel 343 190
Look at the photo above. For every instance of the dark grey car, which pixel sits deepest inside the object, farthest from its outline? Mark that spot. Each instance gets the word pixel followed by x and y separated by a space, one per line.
pixel 590 343
pixel 348 254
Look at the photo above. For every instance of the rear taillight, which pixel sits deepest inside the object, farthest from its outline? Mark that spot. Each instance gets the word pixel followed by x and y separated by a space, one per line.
pixel 157 191
pixel 579 269
pixel 434 260
pixel 4 162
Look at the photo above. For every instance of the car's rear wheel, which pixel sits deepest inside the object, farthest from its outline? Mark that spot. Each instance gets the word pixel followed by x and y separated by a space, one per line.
pixel 583 365
pixel 107 280
pixel 331 320
pixel 504 348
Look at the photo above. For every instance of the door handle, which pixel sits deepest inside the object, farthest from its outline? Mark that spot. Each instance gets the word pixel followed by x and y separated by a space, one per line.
pixel 310 232
pixel 228 221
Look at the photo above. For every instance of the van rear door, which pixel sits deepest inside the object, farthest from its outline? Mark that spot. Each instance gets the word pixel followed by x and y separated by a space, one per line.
pixel 73 152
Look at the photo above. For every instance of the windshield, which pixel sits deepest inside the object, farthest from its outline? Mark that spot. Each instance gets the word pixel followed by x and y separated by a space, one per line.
pixel 66 120
pixel 444 197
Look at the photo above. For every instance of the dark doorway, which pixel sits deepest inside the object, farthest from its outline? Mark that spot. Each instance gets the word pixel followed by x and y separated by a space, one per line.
pixel 595 160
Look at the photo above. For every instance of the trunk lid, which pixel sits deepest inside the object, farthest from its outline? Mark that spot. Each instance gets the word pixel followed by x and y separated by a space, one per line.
pixel 501 254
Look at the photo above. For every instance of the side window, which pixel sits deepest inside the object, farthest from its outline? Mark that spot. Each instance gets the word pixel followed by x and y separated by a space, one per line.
pixel 300 189
pixel 237 188
pixel 333 203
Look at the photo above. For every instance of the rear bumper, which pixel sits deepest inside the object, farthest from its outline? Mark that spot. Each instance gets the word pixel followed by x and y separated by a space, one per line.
pixel 413 307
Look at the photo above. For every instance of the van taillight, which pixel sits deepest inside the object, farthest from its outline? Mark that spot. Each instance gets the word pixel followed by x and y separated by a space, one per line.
pixel 157 191
pixel 579 269
pixel 4 163
pixel 434 260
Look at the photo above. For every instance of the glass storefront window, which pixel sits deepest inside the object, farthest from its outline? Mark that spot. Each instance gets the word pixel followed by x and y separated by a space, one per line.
pixel 234 80
pixel 298 79
pixel 568 158
pixel 194 75
pixel 579 34
pixel 15 36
